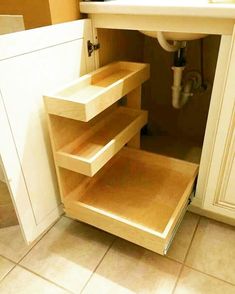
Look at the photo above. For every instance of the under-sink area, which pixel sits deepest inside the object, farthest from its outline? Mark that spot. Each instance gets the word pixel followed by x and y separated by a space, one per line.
pixel 157 100
pixel 178 133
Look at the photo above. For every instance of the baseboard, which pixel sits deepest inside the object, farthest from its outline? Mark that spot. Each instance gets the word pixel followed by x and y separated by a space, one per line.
pixel 196 207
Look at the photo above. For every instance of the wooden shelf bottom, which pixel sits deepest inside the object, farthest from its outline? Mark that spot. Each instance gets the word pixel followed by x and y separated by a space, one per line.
pixel 138 191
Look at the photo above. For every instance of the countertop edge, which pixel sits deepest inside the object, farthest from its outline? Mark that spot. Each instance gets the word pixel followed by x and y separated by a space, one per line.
pixel 222 11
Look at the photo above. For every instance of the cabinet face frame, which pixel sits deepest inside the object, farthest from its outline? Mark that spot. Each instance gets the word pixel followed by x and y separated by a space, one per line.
pixel 213 119
pixel 218 197
pixel 204 197
pixel 186 24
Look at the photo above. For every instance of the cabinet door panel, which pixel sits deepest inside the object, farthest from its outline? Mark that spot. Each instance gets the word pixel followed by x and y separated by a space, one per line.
pixel 39 60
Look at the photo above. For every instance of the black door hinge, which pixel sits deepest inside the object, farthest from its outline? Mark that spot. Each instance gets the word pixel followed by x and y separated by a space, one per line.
pixel 92 47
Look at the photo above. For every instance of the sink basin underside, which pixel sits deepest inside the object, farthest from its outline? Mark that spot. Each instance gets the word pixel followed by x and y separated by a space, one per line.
pixel 176 36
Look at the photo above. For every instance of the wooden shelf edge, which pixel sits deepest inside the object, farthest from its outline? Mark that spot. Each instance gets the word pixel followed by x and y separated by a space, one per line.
pixel 90 167
pixel 123 230
pixel 106 95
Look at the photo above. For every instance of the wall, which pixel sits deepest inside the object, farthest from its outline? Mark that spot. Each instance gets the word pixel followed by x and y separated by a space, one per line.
pixel 36 13
pixel 39 13
pixel 64 10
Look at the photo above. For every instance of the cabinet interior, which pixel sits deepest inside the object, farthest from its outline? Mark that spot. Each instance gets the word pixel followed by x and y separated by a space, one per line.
pixel 172 132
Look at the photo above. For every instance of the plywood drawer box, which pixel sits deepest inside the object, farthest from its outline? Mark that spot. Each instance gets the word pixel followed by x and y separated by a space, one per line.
pixel 91 94
pixel 91 145
pixel 138 196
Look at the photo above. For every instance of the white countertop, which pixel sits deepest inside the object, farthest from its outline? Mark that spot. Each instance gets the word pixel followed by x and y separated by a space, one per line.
pixel 193 8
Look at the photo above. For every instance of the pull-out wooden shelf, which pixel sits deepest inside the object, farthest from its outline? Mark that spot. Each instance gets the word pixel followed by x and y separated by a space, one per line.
pixel 89 95
pixel 94 144
pixel 138 196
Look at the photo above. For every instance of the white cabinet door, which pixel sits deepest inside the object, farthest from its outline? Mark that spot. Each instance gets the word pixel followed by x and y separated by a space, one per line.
pixel 220 189
pixel 32 63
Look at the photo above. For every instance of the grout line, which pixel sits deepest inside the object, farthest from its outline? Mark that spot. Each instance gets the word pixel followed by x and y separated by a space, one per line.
pixel 209 275
pixel 190 244
pixel 33 245
pixel 3 278
pixel 172 259
pixel 38 240
pixel 18 263
pixel 8 259
pixel 177 280
pixel 95 269
pixel 183 262
pixel 52 282
pixel 44 278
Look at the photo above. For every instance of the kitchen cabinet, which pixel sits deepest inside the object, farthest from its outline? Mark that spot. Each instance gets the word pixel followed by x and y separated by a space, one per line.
pixel 37 62
pixel 215 189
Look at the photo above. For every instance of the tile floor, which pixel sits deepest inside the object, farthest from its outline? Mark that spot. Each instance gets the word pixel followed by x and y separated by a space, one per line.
pixel 76 258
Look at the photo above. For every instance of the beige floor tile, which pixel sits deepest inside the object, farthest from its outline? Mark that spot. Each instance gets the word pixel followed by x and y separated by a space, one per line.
pixel 5 267
pixel 183 238
pixel 213 250
pixel 68 253
pixel 194 282
pixel 21 281
pixel 128 268
pixel 12 244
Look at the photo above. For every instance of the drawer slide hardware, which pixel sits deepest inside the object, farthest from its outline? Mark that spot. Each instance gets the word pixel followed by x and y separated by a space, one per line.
pixel 179 223
pixel 92 47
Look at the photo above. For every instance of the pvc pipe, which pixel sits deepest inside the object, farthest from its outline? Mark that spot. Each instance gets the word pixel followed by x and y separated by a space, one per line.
pixel 166 45
pixel 179 97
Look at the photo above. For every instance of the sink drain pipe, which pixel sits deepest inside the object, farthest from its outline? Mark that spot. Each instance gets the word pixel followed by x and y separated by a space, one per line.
pixel 192 81
pixel 180 95
pixel 166 45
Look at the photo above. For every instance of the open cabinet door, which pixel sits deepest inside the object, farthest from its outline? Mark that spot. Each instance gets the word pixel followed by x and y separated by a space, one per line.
pixel 32 63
